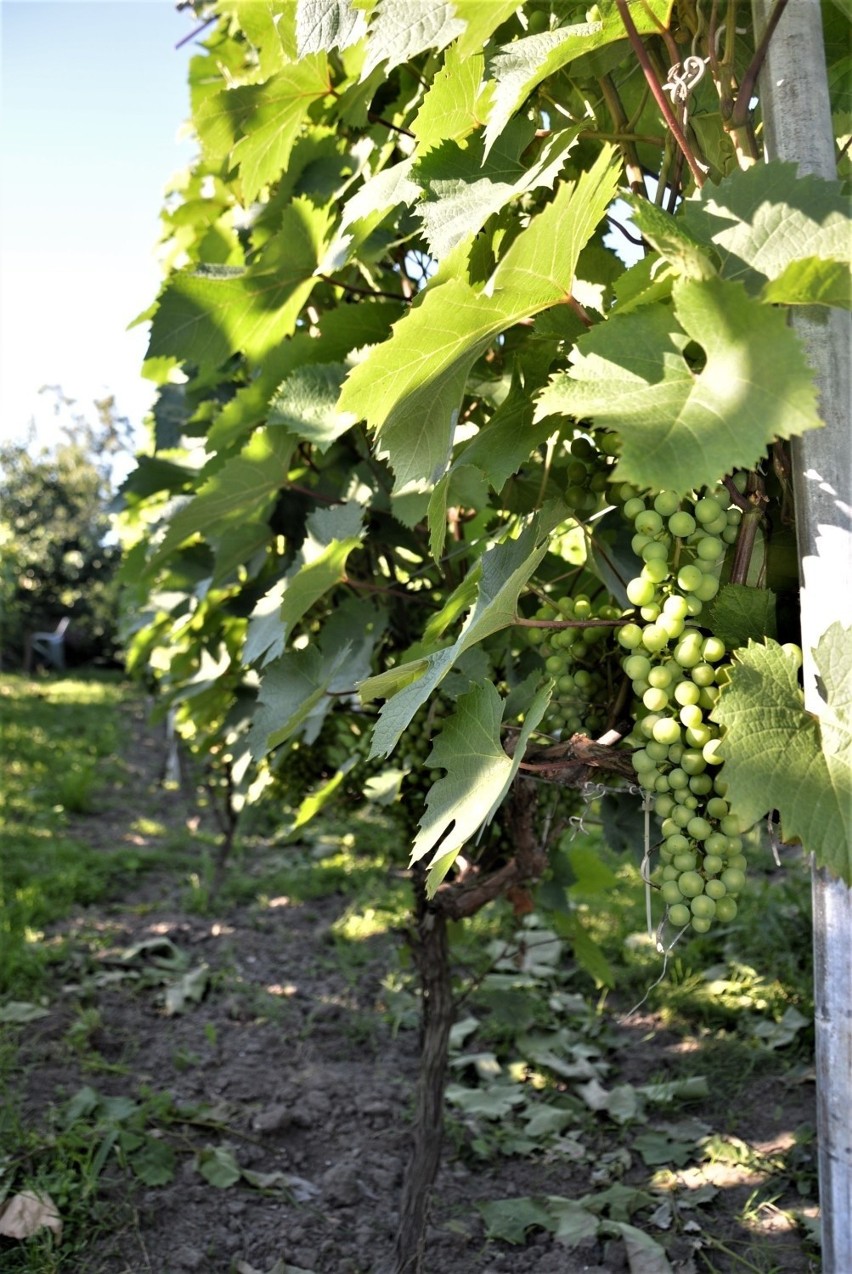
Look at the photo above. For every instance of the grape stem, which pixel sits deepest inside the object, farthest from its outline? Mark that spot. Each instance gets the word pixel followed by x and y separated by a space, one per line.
pixel 571 623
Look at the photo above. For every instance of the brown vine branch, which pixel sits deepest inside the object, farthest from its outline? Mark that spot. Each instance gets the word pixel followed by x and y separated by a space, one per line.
pixel 749 80
pixel 571 623
pixel 386 123
pixel 359 291
pixel 657 89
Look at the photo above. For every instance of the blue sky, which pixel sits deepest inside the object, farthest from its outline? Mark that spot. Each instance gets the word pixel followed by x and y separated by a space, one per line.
pixel 92 98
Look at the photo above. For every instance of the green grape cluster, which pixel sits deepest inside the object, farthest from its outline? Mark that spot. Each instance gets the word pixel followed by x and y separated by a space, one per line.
pixel 586 473
pixel 674 665
pixel 574 658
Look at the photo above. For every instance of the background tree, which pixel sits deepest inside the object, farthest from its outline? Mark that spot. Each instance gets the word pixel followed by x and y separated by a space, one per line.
pixel 59 552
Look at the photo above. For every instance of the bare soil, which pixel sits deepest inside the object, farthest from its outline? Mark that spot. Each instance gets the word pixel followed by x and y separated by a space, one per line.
pixel 300 1075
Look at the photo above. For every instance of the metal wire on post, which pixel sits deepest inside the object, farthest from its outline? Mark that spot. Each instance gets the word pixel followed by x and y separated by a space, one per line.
pixel 793 92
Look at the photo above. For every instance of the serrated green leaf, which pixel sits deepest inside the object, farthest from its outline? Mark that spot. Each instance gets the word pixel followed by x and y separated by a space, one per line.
pixel 205 315
pixel 323 25
pixel 479 774
pixel 502 573
pixel 399 32
pixel 811 281
pixel 267 27
pixel 409 389
pixel 331 535
pixel 510 1219
pixel 739 614
pixel 519 67
pixel 762 219
pixel 777 756
pixel 573 1222
pixel 241 488
pixel 644 1254
pixel 464 191
pixel 506 441
pixel 154 1163
pixel 481 21
pixel 305 404
pixel 680 428
pixel 675 244
pixel 448 111
pixel 290 690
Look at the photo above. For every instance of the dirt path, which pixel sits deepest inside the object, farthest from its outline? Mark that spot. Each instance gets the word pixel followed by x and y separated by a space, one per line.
pixel 277 1066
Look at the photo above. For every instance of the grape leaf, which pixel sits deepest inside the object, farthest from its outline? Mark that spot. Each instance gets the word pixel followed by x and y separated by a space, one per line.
pixel 463 193
pixel 305 403
pixel 448 111
pixel 409 389
pixel 778 756
pixel 267 28
pixel 205 315
pixel 505 442
pixel 680 428
pixel 482 20
pixel 762 219
pixel 740 614
pixel 503 572
pixel 667 235
pixel 323 25
pixel 519 67
pixel 811 281
pixel 400 31
pixel 274 121
pixel 479 774
pixel 241 488
pixel 332 534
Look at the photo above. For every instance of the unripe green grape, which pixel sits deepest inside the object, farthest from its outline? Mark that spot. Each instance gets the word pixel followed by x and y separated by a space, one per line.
pixel 655 571
pixel 720 785
pixel 713 864
pixel 565 684
pixel 637 666
pixel 583 447
pixel 676 606
pixel 730 824
pixel 701 924
pixel 626 491
pixel 629 636
pixel 697 736
pixel 717 526
pixel 669 828
pixel 701 784
pixel 575 471
pixel 670 893
pixel 646 725
pixel 638 543
pixel 694 605
pixel 633 507
pixel 735 844
pixel 584 679
pixel 555 664
pixel 733 879
pixel 715 844
pixel 690 884
pixel 655 699
pixel 681 524
pixel 671 625
pixel 680 816
pixel 680 915
pixel 666 503
pixel 650 613
pixel 648 522
pixel 691 715
pixel 686 692
pixel 726 909
pixel 717 808
pixel 658 751
pixel 706 509
pixel 703 907
pixel 685 861
pixel 707 698
pixel 678 780
pixel 703 674
pixel 579 649
pixel 661 783
pixel 639 687
pixel 663 805
pixel 706 589
pixel 709 548
pixel 674 753
pixel 689 577
pixel 677 843
pixel 690 801
pixel 699 828
pixel 730 534
pixel 793 653
pixel 693 763
pixel 654 551
pixel 661 676
pixel 666 730
pixel 687 652
pixel 654 638
pixel 738 862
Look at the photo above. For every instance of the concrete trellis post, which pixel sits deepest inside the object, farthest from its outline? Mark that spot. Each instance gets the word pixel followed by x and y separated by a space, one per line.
pixel 795 107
